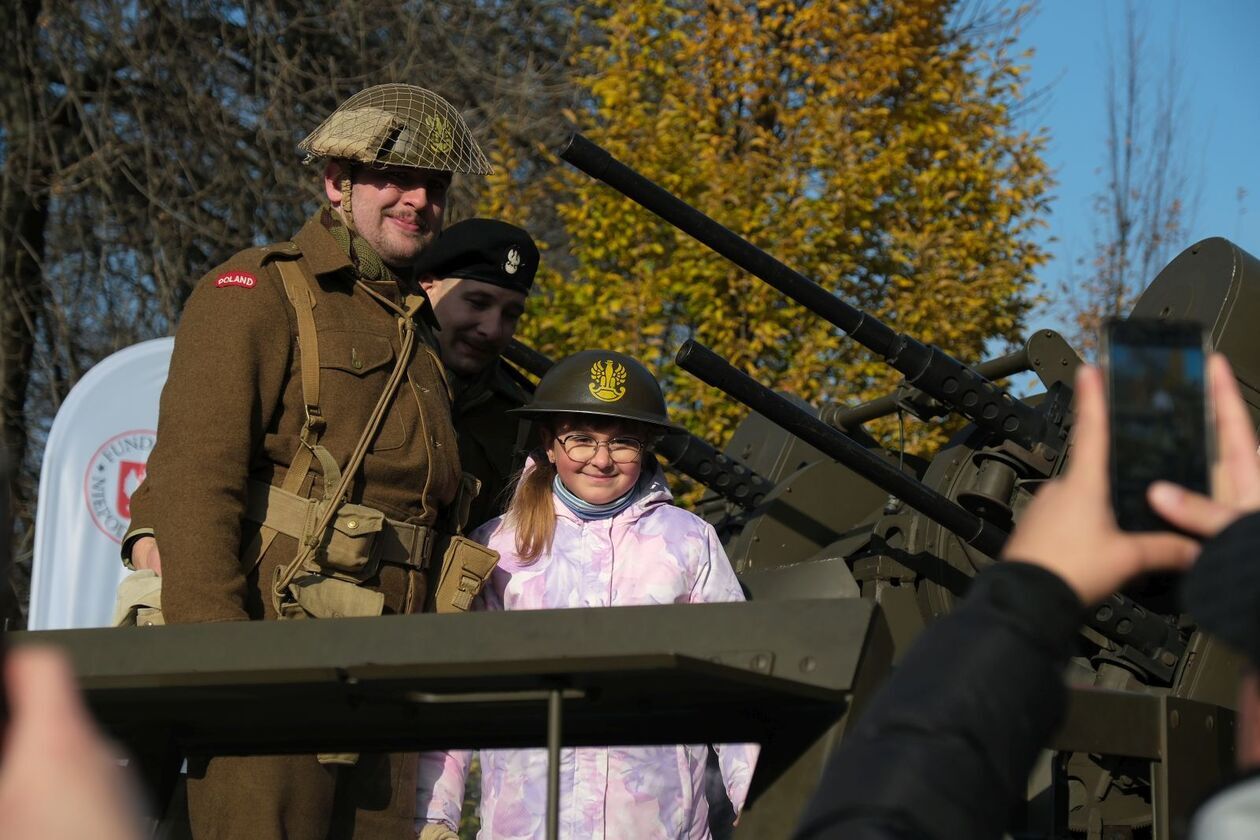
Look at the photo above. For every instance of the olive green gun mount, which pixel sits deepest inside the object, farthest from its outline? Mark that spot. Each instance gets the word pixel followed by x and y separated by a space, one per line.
pixel 849 519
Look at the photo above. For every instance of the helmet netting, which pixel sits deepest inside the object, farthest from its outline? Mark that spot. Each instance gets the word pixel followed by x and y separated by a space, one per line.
pixel 398 125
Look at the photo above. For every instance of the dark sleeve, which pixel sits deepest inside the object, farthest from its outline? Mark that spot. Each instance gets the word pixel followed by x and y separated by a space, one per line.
pixel 944 749
pixel 1222 589
pixel 228 368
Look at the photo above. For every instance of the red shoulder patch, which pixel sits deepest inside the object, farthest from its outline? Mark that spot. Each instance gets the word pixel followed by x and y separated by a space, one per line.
pixel 236 278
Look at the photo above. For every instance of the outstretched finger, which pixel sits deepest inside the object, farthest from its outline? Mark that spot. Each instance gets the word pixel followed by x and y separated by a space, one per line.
pixel 1235 438
pixel 1189 511
pixel 1089 430
pixel 1164 552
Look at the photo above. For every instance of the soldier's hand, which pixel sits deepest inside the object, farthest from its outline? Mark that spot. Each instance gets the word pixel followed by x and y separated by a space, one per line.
pixel 437 831
pixel 1070 528
pixel 144 555
pixel 58 779
pixel 1236 474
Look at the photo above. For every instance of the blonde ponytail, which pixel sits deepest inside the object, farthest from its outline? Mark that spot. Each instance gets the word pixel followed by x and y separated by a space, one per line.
pixel 532 512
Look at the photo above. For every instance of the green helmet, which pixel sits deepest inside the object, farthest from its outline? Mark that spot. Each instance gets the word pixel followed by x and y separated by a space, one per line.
pixel 600 383
pixel 398 125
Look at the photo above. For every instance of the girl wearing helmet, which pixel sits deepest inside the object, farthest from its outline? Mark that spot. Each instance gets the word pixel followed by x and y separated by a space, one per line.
pixel 592 524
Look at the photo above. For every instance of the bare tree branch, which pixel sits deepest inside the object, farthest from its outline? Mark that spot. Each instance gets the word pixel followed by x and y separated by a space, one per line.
pixel 1146 203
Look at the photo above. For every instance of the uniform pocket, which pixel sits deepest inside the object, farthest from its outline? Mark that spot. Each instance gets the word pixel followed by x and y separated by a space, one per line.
pixel 355 352
pixel 354 369
pixel 348 545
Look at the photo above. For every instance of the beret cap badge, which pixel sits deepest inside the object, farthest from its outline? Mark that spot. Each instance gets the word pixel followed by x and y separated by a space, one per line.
pixel 486 250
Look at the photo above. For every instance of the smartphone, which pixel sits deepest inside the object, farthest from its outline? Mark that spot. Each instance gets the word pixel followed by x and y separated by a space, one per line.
pixel 1158 412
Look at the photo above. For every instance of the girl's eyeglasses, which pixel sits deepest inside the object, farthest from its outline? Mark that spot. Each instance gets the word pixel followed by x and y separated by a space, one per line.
pixel 580 447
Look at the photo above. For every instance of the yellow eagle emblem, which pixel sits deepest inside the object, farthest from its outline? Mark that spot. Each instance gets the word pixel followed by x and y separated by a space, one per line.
pixel 608 381
pixel 441 135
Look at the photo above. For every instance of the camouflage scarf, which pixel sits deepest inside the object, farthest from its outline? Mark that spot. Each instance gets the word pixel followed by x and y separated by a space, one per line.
pixel 366 261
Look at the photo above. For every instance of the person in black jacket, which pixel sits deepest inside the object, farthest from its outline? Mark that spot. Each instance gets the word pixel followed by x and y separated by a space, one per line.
pixel 954 733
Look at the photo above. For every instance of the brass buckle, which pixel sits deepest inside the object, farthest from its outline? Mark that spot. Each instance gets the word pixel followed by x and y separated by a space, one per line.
pixel 315 424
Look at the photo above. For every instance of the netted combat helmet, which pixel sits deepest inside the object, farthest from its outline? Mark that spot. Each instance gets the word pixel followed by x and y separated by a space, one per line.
pixel 398 125
pixel 600 383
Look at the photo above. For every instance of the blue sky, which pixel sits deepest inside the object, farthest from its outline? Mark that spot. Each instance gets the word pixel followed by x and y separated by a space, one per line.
pixel 1217 43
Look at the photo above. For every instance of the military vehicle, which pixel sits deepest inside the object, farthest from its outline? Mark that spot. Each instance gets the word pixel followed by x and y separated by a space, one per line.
pixel 846 550
pixel 1153 732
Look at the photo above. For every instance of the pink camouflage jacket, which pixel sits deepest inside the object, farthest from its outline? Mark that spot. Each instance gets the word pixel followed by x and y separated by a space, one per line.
pixel 650 553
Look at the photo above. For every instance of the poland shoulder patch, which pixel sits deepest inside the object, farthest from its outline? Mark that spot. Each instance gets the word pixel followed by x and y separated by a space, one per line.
pixel 239 279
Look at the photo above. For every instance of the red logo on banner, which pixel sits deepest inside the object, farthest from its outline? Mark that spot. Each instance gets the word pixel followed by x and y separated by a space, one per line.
pixel 130 474
pixel 236 278
pixel 113 474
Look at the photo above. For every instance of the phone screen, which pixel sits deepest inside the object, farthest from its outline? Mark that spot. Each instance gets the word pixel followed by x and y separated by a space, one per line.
pixel 1157 401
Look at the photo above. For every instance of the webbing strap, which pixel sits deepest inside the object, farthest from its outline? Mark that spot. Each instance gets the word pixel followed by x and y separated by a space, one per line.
pixel 299 293
pixel 296 288
pixel 333 500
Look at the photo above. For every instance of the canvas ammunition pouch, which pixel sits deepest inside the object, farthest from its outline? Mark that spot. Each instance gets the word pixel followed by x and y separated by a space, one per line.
pixel 358 540
pixel 318 596
pixel 139 600
pixel 466 566
pixel 348 547
pixel 362 538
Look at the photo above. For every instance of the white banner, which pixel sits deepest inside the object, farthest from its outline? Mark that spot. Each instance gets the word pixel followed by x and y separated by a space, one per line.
pixel 95 458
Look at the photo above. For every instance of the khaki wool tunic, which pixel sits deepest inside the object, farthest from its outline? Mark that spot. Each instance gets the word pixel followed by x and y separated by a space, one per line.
pixel 232 410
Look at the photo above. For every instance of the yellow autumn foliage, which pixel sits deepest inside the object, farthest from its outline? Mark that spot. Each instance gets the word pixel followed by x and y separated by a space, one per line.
pixel 869 145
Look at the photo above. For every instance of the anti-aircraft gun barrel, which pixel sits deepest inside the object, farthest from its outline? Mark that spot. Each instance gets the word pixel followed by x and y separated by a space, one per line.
pixel 927 368
pixel 1149 642
pixel 690 455
pixel 850 417
pixel 707 366
pixel 527 358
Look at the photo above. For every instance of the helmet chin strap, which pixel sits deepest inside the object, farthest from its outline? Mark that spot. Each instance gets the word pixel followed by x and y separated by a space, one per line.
pixel 346 211
pixel 403 274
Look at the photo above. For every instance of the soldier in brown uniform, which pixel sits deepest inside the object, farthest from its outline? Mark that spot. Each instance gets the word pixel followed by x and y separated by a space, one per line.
pixel 477 276
pixel 306 461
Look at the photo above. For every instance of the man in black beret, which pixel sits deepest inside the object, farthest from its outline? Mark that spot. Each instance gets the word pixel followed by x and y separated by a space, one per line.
pixel 477 276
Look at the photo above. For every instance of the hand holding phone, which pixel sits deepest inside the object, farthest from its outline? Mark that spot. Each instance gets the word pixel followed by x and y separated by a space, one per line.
pixel 1159 414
